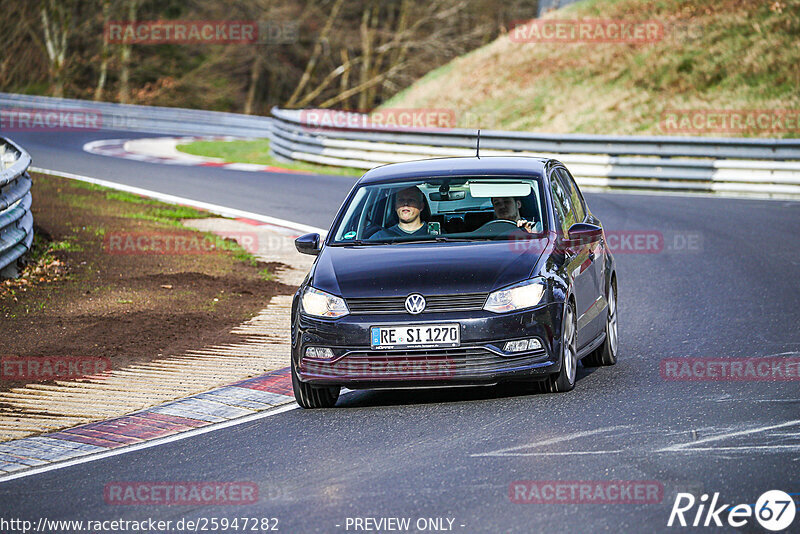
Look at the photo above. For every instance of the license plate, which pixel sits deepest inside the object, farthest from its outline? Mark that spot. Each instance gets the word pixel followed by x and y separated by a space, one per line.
pixel 422 336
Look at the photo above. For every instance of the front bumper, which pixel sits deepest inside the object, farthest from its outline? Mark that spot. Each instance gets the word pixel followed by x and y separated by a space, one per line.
pixel 479 359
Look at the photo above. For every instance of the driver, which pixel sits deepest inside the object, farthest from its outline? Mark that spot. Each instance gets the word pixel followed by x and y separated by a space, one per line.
pixel 410 205
pixel 507 208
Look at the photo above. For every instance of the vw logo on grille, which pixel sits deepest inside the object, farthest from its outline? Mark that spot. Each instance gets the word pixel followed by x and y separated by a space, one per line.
pixel 415 303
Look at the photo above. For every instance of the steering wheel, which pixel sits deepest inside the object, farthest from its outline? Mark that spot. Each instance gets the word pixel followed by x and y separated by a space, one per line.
pixel 497 226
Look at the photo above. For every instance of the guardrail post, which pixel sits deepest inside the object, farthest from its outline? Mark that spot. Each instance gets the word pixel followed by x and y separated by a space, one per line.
pixel 10 271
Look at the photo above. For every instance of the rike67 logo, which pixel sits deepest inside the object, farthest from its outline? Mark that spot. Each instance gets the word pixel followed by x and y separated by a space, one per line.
pixel 774 510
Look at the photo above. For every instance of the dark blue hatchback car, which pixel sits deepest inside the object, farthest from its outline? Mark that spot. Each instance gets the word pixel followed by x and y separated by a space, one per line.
pixel 455 271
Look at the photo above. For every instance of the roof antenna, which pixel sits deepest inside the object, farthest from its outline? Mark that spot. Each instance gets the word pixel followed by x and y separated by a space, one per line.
pixel 478 150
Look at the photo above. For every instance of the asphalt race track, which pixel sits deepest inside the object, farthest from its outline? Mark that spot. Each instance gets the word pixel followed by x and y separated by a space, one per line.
pixel 295 197
pixel 722 284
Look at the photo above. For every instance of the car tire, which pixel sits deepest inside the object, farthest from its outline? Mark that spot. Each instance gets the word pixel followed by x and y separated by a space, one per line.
pixel 606 354
pixel 564 380
pixel 308 396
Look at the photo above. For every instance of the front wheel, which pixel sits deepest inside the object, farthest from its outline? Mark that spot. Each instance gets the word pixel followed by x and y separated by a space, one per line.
pixel 606 354
pixel 308 396
pixel 565 379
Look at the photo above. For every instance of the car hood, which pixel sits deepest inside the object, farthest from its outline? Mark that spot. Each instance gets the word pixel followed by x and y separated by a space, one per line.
pixel 427 268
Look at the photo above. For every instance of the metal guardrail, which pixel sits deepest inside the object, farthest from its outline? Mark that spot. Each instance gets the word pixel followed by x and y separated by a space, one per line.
pixel 738 166
pixel 16 220
pixel 763 168
pixel 150 119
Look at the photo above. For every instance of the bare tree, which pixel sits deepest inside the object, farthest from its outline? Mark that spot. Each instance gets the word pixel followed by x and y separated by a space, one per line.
pixel 368 18
pixel 344 81
pixel 394 38
pixel 56 19
pixel 105 53
pixel 255 75
pixel 125 58
pixel 356 53
pixel 23 56
pixel 315 54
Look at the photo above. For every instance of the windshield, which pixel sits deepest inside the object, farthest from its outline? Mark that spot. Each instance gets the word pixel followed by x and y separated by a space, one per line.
pixel 443 209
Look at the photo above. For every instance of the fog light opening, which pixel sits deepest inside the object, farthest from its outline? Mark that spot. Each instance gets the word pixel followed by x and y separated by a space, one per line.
pixel 523 345
pixel 319 353
pixel 516 346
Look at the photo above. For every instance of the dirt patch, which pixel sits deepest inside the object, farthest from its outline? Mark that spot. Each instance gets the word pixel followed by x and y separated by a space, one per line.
pixel 80 298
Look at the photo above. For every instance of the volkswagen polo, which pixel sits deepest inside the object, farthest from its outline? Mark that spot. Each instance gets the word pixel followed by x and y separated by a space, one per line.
pixel 455 271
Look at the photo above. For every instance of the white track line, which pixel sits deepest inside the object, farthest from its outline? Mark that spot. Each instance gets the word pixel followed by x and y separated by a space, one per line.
pixel 565 453
pixel 147 444
pixel 172 199
pixel 741 448
pixel 691 444
pixel 549 441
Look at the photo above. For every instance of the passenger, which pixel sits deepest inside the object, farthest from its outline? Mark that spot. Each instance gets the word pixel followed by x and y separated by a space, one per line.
pixel 411 209
pixel 507 208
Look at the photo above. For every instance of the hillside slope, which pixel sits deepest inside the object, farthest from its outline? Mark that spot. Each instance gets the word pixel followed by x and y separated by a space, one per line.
pixel 723 55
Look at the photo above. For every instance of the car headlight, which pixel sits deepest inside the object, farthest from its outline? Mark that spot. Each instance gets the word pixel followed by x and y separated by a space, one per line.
pixel 321 304
pixel 526 294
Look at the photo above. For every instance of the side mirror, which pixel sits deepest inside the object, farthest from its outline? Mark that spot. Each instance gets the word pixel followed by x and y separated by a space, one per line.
pixel 583 233
pixel 308 244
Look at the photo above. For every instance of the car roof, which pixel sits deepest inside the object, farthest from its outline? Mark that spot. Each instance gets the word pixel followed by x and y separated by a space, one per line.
pixel 466 166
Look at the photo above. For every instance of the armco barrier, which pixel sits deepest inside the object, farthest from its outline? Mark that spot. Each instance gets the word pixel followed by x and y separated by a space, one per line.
pixel 150 119
pixel 737 166
pixel 16 221
pixel 760 168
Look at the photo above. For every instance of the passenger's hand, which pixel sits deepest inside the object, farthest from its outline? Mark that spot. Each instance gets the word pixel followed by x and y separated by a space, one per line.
pixel 525 225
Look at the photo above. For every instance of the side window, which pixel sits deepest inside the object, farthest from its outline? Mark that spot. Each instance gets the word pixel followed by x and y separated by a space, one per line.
pixel 562 203
pixel 574 194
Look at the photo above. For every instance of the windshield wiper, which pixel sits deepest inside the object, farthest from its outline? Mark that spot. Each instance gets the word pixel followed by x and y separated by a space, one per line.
pixel 360 242
pixel 432 239
pixel 445 239
pixel 439 239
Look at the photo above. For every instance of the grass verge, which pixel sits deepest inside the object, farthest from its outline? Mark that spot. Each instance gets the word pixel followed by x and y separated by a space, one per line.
pixel 81 295
pixel 257 151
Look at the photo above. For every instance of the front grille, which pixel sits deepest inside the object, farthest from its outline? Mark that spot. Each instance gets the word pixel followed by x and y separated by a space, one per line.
pixel 433 304
pixel 420 364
